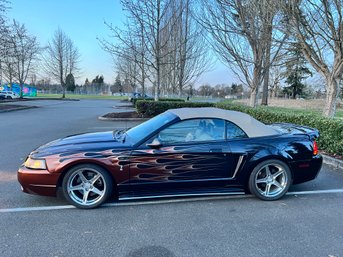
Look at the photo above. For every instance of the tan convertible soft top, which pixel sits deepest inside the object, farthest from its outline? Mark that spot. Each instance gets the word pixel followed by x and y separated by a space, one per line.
pixel 251 126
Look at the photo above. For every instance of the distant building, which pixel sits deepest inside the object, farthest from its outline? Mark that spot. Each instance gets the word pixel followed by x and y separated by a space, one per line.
pixel 27 90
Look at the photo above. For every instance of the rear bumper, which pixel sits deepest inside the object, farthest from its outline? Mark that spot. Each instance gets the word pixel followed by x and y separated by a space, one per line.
pixel 304 171
pixel 38 182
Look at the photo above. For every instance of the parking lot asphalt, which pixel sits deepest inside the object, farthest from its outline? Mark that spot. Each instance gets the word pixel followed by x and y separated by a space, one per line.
pixel 307 222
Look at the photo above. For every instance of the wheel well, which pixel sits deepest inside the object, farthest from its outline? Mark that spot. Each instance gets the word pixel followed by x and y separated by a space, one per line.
pixel 68 167
pixel 274 157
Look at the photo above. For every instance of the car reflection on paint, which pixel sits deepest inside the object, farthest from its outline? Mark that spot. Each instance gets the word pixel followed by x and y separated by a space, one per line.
pixel 181 152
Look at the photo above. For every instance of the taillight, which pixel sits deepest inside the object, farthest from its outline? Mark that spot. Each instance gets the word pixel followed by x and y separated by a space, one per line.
pixel 315 148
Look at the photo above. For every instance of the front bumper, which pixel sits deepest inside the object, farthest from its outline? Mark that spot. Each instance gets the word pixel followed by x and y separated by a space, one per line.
pixel 38 182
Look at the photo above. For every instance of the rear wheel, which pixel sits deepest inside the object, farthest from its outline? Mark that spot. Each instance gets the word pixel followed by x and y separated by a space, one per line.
pixel 270 180
pixel 87 186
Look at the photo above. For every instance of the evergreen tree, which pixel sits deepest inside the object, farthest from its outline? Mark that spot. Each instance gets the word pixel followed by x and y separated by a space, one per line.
pixel 117 84
pixel 70 82
pixel 236 89
pixel 98 82
pixel 296 72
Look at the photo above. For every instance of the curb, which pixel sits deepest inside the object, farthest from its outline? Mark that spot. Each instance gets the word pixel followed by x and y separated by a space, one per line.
pixel 47 98
pixel 18 109
pixel 37 99
pixel 333 162
pixel 122 119
pixel 124 107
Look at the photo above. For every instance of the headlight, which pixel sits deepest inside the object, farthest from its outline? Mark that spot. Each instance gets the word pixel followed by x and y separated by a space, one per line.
pixel 37 164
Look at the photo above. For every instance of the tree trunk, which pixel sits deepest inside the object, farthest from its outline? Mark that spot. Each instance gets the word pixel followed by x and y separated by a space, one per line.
pixel 21 90
pixel 143 77
pixel 266 74
pixel 254 87
pixel 265 86
pixel 253 97
pixel 64 91
pixel 331 97
pixel 294 92
pixel 157 86
pixel 158 51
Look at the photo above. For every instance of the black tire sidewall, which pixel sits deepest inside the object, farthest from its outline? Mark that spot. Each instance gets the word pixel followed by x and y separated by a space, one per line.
pixel 107 179
pixel 252 185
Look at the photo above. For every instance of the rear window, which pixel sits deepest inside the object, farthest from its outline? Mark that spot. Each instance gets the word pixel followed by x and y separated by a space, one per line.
pixel 233 131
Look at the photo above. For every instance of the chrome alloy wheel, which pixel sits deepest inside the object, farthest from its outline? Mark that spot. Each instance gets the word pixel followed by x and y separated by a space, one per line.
pixel 271 180
pixel 86 186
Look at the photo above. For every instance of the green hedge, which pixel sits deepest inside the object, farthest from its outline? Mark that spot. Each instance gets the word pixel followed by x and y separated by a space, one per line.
pixel 134 100
pixel 152 108
pixel 331 130
pixel 171 100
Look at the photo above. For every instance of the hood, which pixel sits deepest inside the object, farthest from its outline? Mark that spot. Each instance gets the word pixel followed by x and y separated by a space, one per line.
pixel 88 142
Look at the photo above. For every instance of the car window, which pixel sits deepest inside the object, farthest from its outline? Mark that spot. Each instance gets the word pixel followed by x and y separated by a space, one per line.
pixel 138 133
pixel 195 130
pixel 233 131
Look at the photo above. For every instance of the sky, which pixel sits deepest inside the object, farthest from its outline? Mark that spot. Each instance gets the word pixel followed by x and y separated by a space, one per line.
pixel 83 21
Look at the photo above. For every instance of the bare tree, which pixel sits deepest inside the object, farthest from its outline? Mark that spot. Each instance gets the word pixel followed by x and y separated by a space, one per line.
pixel 186 55
pixel 162 43
pixel 61 58
pixel 318 26
pixel 25 49
pixel 128 51
pixel 241 35
pixel 8 66
pixel 272 18
pixel 128 69
pixel 4 35
pixel 276 76
pixel 149 17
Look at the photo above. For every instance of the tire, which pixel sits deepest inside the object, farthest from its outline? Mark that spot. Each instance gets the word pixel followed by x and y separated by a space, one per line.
pixel 9 97
pixel 87 186
pixel 270 180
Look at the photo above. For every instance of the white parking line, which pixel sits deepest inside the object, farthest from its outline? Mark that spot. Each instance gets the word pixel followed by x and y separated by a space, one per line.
pixel 180 200
pixel 41 208
pixel 327 191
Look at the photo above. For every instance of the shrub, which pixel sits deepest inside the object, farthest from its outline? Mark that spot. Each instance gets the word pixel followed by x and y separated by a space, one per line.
pixel 152 108
pixel 134 100
pixel 331 130
pixel 171 100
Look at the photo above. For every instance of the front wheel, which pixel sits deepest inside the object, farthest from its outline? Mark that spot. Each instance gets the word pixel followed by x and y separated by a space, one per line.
pixel 87 186
pixel 270 180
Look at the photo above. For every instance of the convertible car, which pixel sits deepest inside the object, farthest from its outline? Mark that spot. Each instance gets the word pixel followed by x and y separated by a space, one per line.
pixel 181 152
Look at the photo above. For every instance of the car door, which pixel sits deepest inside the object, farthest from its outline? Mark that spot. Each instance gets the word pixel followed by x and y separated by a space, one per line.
pixel 191 155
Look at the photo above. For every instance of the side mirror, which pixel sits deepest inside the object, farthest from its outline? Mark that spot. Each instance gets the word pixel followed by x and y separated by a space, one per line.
pixel 155 144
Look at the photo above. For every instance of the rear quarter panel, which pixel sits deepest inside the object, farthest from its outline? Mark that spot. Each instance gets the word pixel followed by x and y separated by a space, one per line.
pixel 291 149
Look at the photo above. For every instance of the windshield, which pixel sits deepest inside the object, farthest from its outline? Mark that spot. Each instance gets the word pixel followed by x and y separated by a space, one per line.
pixel 141 131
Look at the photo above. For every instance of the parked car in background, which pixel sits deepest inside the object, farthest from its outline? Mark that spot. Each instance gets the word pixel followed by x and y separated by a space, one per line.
pixel 8 95
pixel 136 95
pixel 181 152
